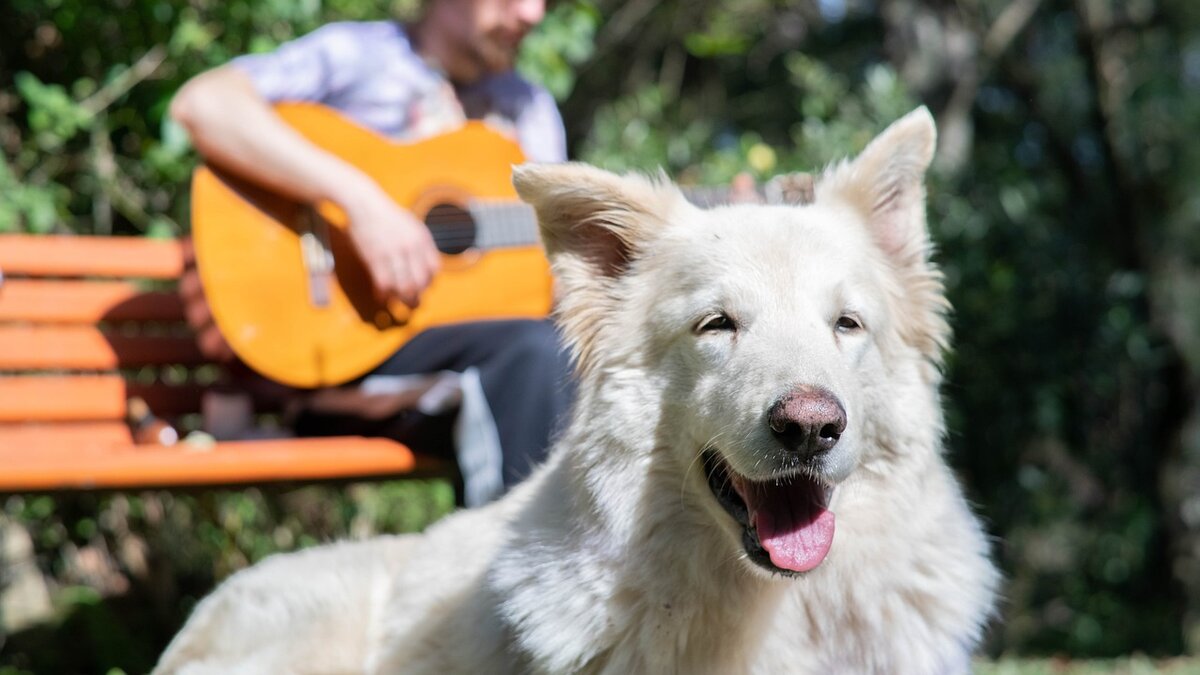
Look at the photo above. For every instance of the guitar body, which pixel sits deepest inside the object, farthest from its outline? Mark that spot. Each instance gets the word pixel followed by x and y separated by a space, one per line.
pixel 248 245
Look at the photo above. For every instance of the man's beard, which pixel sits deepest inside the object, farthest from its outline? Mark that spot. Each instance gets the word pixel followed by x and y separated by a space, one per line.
pixel 491 55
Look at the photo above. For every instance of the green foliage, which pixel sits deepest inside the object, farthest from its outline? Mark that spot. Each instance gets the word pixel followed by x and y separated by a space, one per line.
pixel 1067 233
pixel 35 209
pixel 817 114
pixel 564 39
pixel 54 116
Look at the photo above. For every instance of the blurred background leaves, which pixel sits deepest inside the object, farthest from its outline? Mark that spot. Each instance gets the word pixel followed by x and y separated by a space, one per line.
pixel 1063 203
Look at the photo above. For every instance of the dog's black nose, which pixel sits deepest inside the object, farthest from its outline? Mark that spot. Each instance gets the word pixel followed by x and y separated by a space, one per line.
pixel 808 421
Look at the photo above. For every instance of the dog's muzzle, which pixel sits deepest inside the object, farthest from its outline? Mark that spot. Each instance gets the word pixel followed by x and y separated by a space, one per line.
pixel 787 525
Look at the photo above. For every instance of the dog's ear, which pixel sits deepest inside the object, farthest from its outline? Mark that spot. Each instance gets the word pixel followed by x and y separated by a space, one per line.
pixel 594 224
pixel 886 183
pixel 592 217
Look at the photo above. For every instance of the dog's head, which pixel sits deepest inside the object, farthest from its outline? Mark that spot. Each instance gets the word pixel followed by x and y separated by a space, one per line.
pixel 765 343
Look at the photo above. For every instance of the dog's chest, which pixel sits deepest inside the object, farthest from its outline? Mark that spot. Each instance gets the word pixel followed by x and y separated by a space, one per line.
pixel 685 632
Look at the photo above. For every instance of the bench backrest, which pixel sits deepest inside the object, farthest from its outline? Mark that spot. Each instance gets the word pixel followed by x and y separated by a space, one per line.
pixel 89 323
pixel 82 331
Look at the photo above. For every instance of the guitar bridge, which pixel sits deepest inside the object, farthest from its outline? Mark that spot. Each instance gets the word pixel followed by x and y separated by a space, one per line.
pixel 318 260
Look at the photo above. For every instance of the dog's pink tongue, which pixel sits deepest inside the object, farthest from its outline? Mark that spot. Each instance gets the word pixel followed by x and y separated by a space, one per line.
pixel 793 525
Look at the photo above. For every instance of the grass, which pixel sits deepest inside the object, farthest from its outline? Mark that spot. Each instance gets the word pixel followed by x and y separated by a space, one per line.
pixel 1132 665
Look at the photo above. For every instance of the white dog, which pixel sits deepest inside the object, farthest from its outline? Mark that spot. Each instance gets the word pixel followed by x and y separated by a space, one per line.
pixel 746 373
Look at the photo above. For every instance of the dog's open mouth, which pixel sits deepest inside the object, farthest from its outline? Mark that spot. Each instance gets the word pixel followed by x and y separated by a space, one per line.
pixel 788 527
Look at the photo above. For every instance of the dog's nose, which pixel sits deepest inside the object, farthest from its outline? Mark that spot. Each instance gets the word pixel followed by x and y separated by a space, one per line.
pixel 808 421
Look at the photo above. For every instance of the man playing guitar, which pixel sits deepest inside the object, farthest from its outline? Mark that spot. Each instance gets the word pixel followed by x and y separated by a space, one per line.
pixel 408 82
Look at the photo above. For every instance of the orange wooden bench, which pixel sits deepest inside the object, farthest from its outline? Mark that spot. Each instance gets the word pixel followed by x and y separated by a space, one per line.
pixel 87 324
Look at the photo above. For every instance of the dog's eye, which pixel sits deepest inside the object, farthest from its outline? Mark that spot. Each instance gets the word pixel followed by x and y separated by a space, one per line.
pixel 848 324
pixel 715 322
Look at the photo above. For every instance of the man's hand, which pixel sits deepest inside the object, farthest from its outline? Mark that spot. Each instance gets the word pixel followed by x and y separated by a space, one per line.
pixel 743 190
pixel 396 248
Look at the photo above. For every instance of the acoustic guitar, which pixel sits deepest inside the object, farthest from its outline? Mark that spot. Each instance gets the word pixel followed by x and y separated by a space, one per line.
pixel 292 298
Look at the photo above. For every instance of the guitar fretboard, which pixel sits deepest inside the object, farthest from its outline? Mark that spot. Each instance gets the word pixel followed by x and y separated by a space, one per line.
pixel 502 224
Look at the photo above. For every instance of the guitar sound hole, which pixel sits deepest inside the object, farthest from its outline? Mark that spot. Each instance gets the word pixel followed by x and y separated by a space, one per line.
pixel 452 227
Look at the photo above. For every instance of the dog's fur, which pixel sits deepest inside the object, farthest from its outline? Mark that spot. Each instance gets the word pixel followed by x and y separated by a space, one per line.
pixel 689 327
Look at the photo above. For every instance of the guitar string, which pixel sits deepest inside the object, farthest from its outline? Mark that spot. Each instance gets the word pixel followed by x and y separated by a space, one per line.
pixel 492 226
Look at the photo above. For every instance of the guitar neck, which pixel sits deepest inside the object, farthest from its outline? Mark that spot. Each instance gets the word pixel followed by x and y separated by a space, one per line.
pixel 503 224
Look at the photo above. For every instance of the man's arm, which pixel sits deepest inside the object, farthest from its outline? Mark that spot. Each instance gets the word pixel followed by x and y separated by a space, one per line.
pixel 232 125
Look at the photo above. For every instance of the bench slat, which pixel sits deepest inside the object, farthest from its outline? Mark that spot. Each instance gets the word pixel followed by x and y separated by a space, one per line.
pixel 66 256
pixel 62 399
pixel 125 466
pixel 63 301
pixel 88 348
pixel 78 436
pixel 68 398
